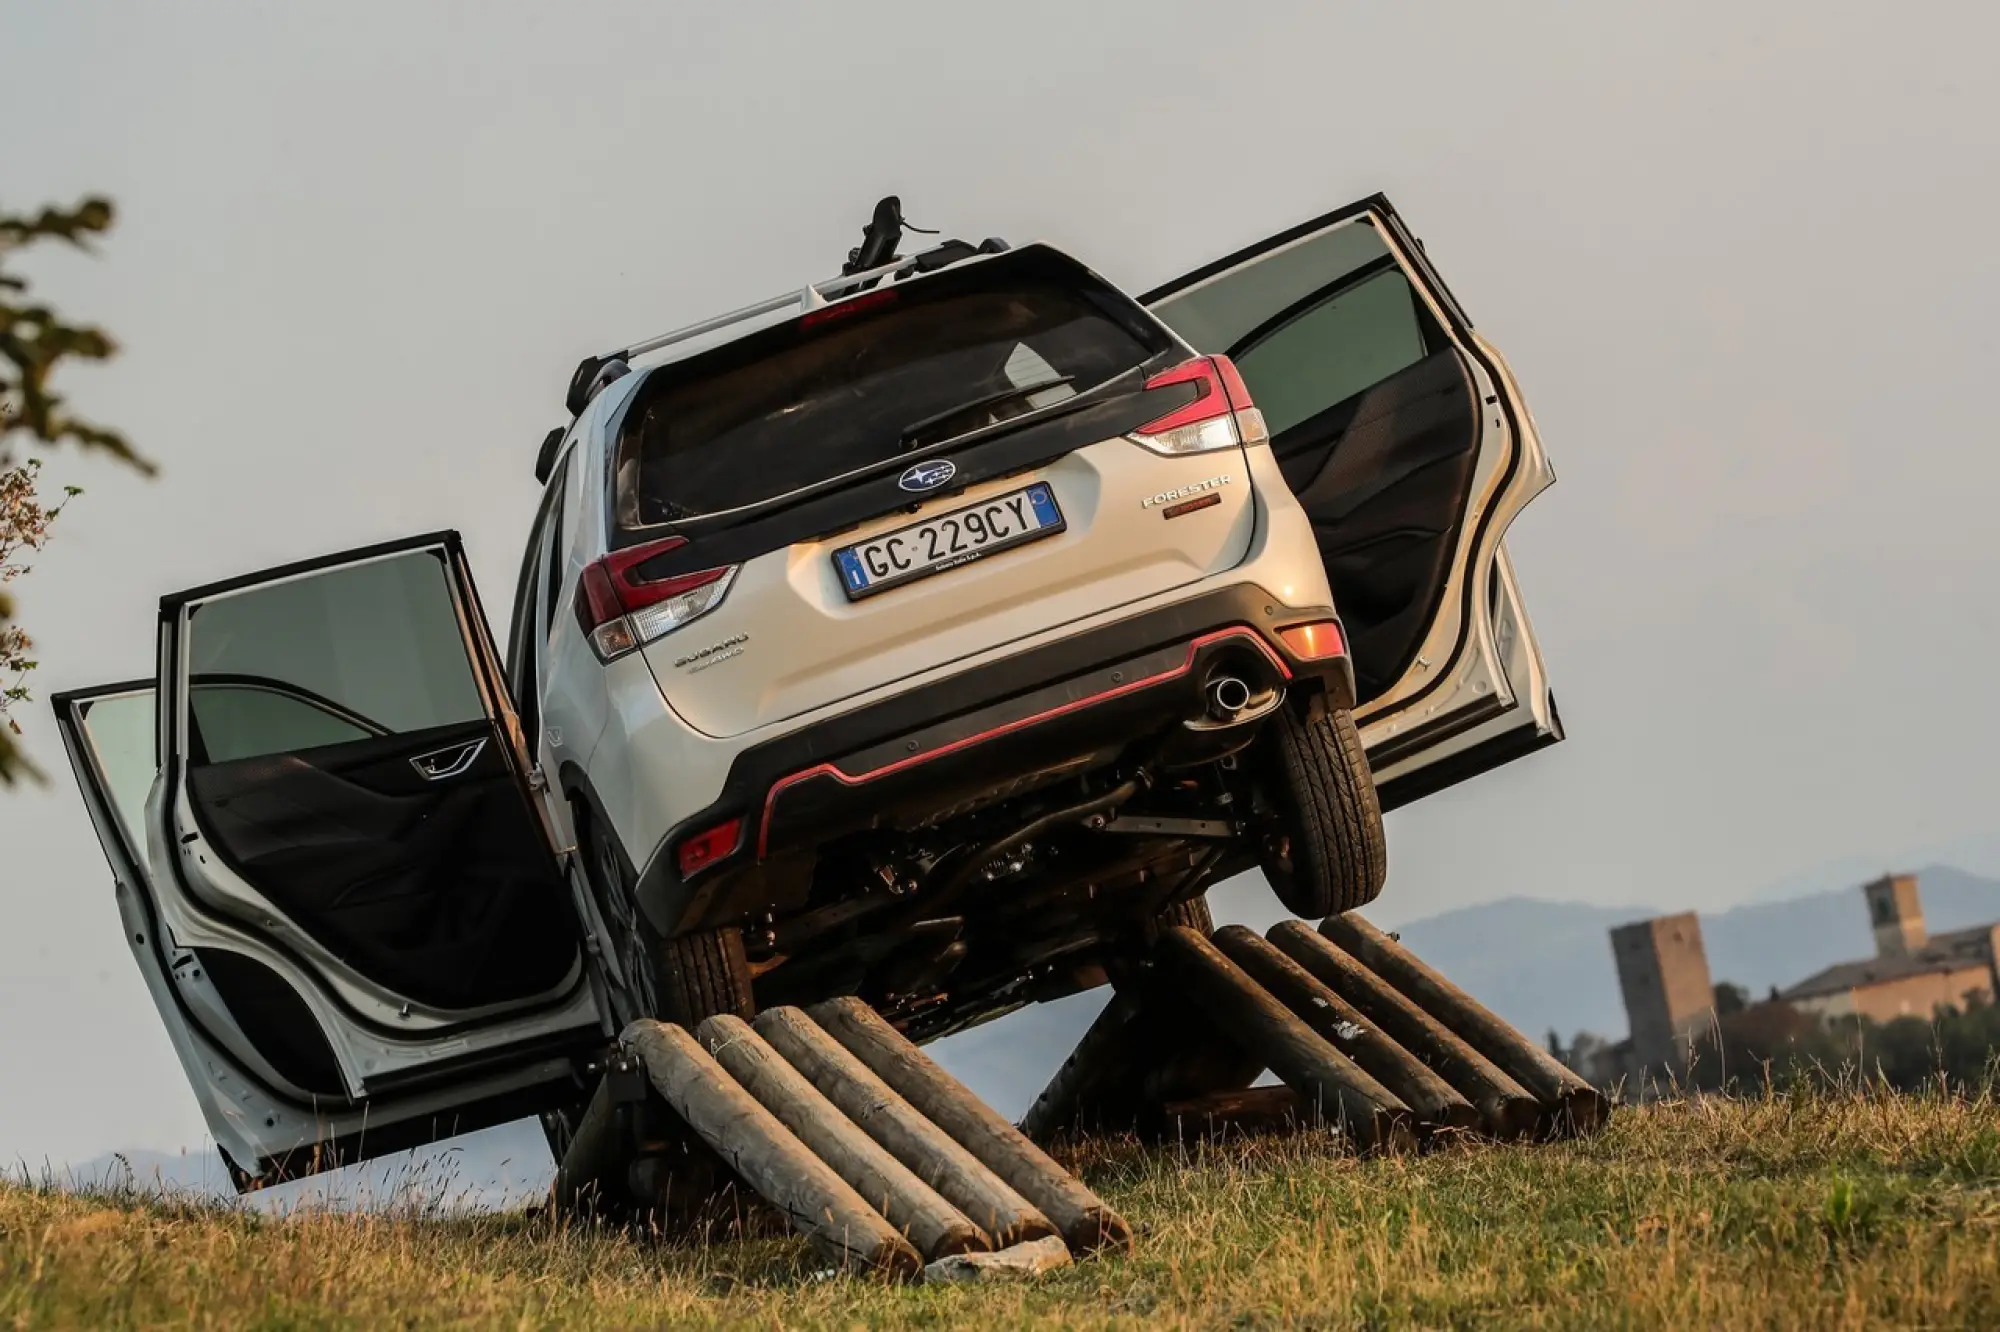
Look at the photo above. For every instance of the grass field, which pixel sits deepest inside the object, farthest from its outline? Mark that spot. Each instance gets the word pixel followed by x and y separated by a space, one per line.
pixel 1805 1211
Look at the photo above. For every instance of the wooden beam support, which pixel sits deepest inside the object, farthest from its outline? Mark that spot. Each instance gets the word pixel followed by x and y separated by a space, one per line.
pixel 1505 1107
pixel 1430 1098
pixel 1568 1102
pixel 932 1224
pixel 1085 1222
pixel 766 1155
pixel 1251 1110
pixel 1331 1084
pixel 927 1150
pixel 1097 1086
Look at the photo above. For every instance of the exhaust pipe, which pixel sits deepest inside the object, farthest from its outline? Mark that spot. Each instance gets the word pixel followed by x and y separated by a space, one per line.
pixel 1227 696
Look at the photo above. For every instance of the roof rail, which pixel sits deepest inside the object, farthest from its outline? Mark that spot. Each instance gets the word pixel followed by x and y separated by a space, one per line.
pixel 583 383
pixel 810 297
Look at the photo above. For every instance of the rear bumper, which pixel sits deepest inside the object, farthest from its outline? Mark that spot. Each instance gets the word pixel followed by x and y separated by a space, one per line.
pixel 970 737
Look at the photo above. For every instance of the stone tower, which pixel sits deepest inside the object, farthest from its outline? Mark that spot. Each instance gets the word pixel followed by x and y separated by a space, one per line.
pixel 1663 972
pixel 1896 914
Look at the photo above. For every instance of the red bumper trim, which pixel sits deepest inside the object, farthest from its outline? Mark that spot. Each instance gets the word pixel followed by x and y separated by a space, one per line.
pixel 834 771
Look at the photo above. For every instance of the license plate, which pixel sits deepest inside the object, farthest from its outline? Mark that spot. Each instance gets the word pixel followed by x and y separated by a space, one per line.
pixel 947 541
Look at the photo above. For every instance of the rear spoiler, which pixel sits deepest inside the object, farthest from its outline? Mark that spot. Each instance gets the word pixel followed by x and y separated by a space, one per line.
pixel 596 371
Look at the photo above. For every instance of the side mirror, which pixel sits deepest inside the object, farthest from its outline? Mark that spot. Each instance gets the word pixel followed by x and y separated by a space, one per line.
pixel 545 461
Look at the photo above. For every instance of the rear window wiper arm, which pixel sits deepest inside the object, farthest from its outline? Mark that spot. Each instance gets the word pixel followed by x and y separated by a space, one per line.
pixel 916 429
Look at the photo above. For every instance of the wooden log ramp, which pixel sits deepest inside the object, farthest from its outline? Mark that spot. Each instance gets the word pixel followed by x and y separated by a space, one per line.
pixel 1084 1221
pixel 1569 1104
pixel 1362 1035
pixel 857 1138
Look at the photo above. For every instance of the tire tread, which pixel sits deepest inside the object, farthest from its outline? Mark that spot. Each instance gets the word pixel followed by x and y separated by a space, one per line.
pixel 1339 854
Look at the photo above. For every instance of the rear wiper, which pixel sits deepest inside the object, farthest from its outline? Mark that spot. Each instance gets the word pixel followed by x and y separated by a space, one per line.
pixel 913 432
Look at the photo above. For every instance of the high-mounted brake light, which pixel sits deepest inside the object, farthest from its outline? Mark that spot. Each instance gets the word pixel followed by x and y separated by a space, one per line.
pixel 853 305
pixel 1220 416
pixel 620 610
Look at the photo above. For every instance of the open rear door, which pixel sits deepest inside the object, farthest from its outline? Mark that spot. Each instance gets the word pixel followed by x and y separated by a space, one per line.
pixel 336 878
pixel 1405 439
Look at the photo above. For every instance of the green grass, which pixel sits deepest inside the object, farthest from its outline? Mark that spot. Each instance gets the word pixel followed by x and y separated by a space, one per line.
pixel 1811 1210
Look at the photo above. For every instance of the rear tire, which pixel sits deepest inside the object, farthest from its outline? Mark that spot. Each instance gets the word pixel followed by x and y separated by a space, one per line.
pixel 681 980
pixel 704 974
pixel 1323 848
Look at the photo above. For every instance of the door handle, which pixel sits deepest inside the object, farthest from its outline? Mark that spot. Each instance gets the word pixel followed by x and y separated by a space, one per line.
pixel 450 761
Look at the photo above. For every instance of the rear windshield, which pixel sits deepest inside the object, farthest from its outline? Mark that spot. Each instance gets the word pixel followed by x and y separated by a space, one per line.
pixel 835 392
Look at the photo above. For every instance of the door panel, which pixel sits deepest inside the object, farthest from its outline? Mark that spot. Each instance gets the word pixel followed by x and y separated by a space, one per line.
pixel 258 1083
pixel 425 884
pixel 337 882
pixel 1383 477
pixel 1404 440
pixel 348 767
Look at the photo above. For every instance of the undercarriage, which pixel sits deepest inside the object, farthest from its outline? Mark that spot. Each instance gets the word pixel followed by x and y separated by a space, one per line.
pixel 1044 884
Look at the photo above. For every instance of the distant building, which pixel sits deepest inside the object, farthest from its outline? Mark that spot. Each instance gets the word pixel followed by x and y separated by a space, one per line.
pixel 1913 972
pixel 1663 973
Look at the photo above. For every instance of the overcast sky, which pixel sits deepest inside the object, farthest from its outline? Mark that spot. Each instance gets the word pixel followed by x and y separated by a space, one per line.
pixel 1741 258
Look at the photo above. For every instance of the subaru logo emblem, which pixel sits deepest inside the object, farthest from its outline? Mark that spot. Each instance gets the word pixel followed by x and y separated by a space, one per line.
pixel 928 475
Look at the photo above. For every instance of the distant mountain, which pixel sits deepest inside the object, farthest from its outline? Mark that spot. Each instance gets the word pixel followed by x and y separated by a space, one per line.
pixel 1544 965
pixel 1777 943
pixel 1541 965
pixel 1978 856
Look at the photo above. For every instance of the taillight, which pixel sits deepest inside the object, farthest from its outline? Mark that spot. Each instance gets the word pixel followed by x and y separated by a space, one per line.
pixel 1220 416
pixel 1314 642
pixel 705 848
pixel 619 610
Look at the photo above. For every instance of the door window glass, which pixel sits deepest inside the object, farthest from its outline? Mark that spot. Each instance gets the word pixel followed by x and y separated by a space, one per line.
pixel 1309 324
pixel 120 730
pixel 369 648
pixel 1354 339
pixel 244 720
pixel 1216 314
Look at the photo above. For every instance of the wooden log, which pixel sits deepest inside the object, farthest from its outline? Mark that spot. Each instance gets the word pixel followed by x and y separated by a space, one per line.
pixel 1193 1055
pixel 766 1155
pixel 1432 1099
pixel 1145 1049
pixel 927 1150
pixel 1331 1084
pixel 1084 1221
pixel 1505 1108
pixel 590 1178
pixel 1098 1085
pixel 1250 1110
pixel 1569 1103
pixel 932 1224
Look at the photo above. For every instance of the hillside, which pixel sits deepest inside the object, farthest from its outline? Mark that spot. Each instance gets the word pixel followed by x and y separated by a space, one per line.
pixel 1806 1213
pixel 1548 964
pixel 1541 965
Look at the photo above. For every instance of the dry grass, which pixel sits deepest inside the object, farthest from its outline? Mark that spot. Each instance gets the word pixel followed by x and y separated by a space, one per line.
pixel 1807 1211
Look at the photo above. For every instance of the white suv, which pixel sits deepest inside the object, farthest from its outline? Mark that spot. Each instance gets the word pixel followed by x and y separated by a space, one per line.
pixel 931 634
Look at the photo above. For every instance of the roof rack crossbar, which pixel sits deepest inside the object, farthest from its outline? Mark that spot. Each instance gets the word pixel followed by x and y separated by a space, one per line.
pixel 809 298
